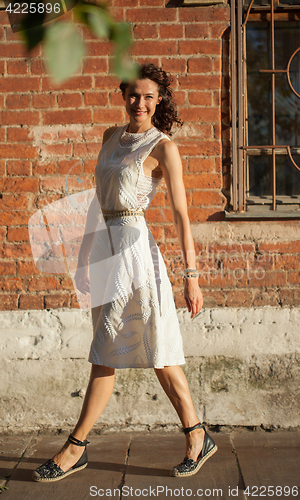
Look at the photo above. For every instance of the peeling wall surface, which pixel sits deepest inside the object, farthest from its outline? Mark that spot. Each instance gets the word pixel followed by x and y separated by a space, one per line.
pixel 242 365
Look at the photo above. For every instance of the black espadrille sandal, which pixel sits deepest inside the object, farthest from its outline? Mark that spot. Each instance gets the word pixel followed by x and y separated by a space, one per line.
pixel 50 471
pixel 189 467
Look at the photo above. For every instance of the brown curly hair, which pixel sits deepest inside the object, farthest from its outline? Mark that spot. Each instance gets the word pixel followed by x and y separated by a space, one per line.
pixel 166 113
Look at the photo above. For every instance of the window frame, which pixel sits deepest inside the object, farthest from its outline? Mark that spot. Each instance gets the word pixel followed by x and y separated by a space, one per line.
pixel 260 207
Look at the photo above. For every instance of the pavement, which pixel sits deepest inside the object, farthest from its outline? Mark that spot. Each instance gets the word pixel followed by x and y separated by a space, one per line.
pixel 248 464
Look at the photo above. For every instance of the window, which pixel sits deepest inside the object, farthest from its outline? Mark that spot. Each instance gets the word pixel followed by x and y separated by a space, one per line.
pixel 265 109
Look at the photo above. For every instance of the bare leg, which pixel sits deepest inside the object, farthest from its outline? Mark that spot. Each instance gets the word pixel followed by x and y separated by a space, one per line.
pixel 175 385
pixel 97 395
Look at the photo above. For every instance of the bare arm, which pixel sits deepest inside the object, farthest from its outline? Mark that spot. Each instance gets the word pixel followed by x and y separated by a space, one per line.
pixel 170 163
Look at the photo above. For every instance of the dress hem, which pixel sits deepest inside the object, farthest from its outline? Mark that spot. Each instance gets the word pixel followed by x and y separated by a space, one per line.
pixel 139 367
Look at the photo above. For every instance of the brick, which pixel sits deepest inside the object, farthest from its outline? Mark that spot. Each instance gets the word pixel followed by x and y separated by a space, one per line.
pixel 106 82
pixel 94 133
pixel 11 284
pixel 17 67
pixel 205 214
pixel 266 298
pixel 201 148
pixel 50 136
pixel 9 251
pixel 42 200
pixel 19 118
pixel 58 150
pixel 70 135
pixel 126 3
pixel 116 99
pixel 289 297
pixel 146 60
pixel 19 185
pixel 204 14
pixel 68 166
pixel 26 268
pixel 159 215
pixel 17 234
pixel 95 65
pixel 170 31
pixel 10 50
pixel 14 202
pixel 99 48
pixel 89 166
pixel 31 302
pixel 238 298
pixel 43 168
pixel 200 98
pixel 75 83
pixel 203 180
pixel 2 167
pixel 40 284
pixel 158 48
pixel 210 47
pixel 157 232
pixel 200 30
pixel 43 101
pixel 294 277
pixel 37 67
pixel 67 116
pixel 108 116
pixel 2 233
pixel 145 31
pixel 17 101
pixel 179 97
pixel 7 268
pixel 150 15
pixel 15 134
pixel 15 218
pixel 57 184
pixel 74 302
pixel 174 65
pixel 19 84
pixel 57 301
pixel 69 100
pixel 281 247
pixel 203 115
pixel 217 29
pixel 8 302
pixel 87 149
pixel 154 3
pixel 287 262
pixel 95 98
pixel 200 65
pixel 203 82
pixel 214 298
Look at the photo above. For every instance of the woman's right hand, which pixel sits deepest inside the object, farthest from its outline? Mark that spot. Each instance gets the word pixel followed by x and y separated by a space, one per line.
pixel 82 280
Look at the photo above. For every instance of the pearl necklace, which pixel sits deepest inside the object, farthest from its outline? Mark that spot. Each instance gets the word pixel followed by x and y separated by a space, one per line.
pixel 129 139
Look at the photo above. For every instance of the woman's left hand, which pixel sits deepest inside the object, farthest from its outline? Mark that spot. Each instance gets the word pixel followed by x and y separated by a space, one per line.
pixel 193 296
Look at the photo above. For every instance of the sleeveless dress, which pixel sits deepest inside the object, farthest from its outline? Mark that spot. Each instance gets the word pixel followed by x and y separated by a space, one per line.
pixel 138 326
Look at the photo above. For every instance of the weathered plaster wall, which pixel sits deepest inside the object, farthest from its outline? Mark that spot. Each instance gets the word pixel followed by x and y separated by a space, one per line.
pixel 242 364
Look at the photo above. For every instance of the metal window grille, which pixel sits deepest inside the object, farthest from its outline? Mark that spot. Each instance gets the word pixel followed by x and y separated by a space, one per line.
pixel 273 203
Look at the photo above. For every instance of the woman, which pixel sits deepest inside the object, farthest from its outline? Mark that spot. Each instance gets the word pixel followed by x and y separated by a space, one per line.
pixel 138 327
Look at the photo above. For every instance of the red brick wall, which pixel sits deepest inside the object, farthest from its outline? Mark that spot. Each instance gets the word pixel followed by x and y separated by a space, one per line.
pixel 47 129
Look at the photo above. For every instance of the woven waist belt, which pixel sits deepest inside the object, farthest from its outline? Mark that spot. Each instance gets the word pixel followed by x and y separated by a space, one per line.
pixel 112 214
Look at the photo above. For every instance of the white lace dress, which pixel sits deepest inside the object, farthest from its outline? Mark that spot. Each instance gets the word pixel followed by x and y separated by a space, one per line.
pixel 138 327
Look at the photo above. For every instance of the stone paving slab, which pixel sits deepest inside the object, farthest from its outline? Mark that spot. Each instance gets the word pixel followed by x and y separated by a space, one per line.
pixel 151 458
pixel 139 465
pixel 269 460
pixel 11 450
pixel 106 466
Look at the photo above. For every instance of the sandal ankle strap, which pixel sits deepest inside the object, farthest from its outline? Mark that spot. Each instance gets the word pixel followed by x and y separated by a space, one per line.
pixel 190 429
pixel 76 441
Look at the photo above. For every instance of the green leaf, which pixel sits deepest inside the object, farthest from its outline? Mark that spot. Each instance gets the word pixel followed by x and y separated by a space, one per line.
pixel 96 18
pixel 125 68
pixel 64 50
pixel 121 35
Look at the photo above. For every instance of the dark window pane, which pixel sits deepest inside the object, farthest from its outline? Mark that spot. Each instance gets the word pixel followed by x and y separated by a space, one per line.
pixel 260 176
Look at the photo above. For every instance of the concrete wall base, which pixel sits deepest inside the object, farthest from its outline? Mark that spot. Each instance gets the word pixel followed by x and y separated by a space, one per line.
pixel 242 365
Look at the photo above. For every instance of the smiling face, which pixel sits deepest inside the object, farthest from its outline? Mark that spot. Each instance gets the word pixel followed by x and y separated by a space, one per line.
pixel 141 99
